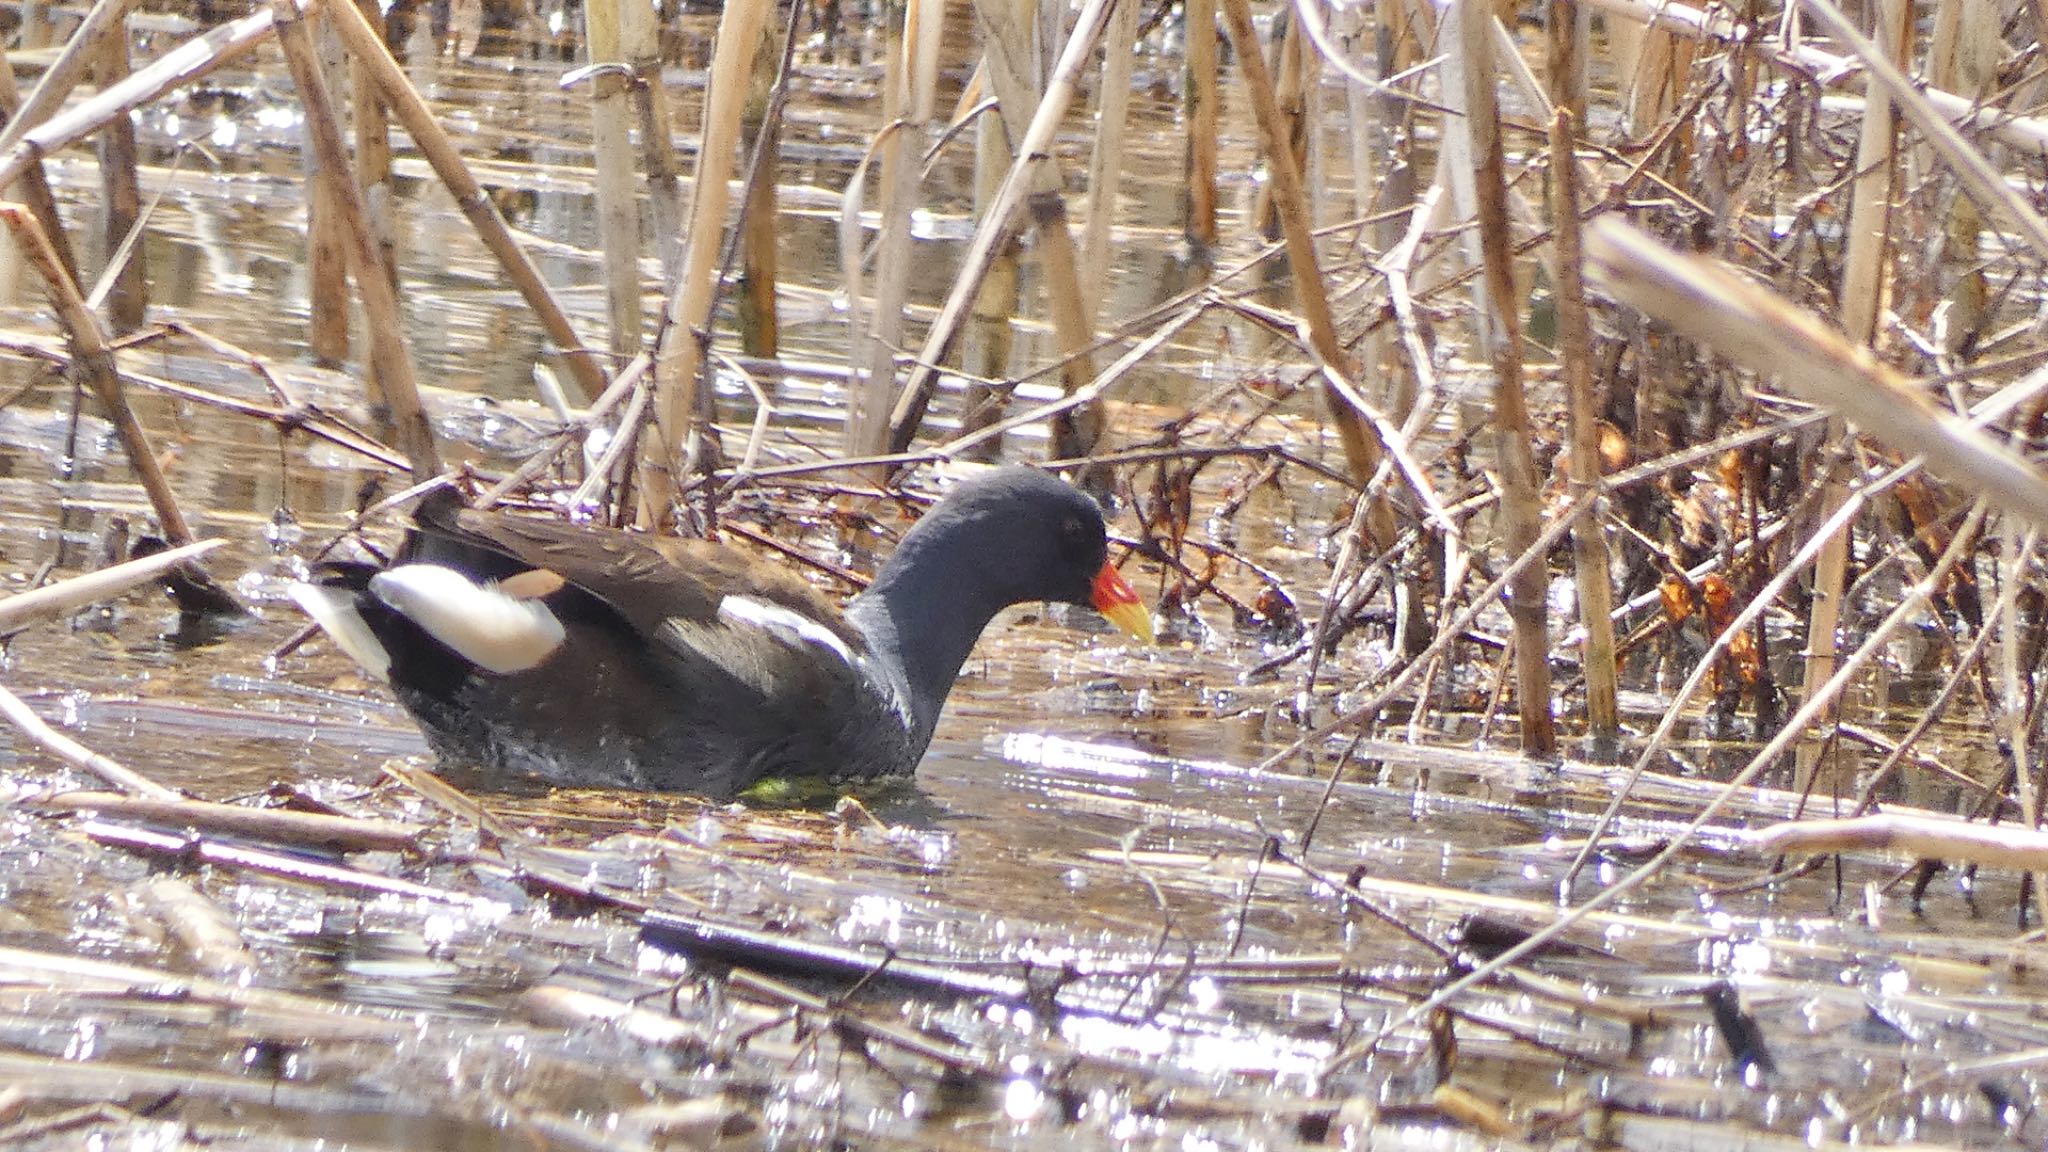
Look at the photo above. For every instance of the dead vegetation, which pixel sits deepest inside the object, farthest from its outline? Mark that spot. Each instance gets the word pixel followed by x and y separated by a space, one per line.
pixel 1648 394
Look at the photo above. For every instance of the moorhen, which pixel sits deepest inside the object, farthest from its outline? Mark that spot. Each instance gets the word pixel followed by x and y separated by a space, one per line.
pixel 597 658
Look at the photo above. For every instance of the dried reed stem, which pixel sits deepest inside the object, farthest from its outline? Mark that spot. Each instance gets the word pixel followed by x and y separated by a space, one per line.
pixel 34 186
pixel 86 48
pixel 1202 104
pixel 611 145
pixel 121 194
pixel 986 356
pixel 1760 331
pixel 759 323
pixel 1361 452
pixel 1034 147
pixel 1983 183
pixel 1575 354
pixel 94 360
pixel 679 355
pixel 1911 605
pixel 1862 295
pixel 327 322
pixel 20 610
pixel 640 35
pixel 1106 164
pixel 368 47
pixel 1521 507
pixel 389 361
pixel 1915 836
pixel 873 353
pixel 372 123
pixel 75 754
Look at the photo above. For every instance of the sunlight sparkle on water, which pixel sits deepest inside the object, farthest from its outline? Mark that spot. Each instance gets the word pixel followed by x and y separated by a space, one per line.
pixel 873 917
pixel 1022 1099
pixel 1073 755
pixel 1750 958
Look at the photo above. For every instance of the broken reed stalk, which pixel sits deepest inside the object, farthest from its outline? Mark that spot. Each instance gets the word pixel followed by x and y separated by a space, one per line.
pixel 1575 355
pixel 678 358
pixel 188 62
pixel 1760 331
pixel 640 35
pixel 1361 452
pixel 1912 835
pixel 611 146
pixel 986 356
pixel 121 196
pixel 388 359
pixel 366 45
pixel 1862 298
pixel 1077 432
pixel 327 323
pixel 34 184
pixel 64 748
pixel 873 353
pixel 1033 151
pixel 274 825
pixel 760 326
pixel 93 359
pixel 1982 182
pixel 85 49
pixel 1201 102
pixel 372 123
pixel 1106 164
pixel 1521 505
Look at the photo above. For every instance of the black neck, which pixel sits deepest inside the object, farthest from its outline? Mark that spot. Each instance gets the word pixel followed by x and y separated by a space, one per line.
pixel 921 621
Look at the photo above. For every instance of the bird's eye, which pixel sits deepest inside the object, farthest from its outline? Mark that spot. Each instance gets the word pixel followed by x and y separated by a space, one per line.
pixel 1072 531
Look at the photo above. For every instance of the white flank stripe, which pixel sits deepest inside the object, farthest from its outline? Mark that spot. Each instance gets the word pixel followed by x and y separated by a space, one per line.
pixel 484 626
pixel 334 610
pixel 786 625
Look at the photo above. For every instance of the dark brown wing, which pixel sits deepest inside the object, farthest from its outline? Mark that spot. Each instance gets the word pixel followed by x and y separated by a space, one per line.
pixel 647 580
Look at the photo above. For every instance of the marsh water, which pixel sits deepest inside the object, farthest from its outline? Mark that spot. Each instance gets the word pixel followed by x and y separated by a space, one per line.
pixel 1089 808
